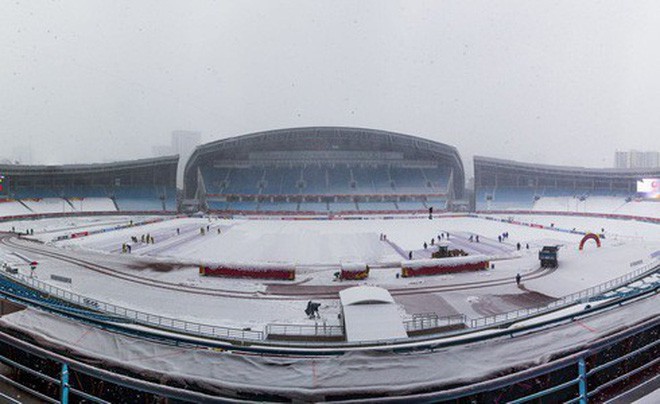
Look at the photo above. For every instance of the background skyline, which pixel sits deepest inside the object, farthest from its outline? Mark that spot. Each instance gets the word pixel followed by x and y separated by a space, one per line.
pixel 564 83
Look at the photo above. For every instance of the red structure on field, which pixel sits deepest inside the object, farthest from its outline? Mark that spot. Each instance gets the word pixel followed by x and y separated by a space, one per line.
pixel 354 272
pixel 443 266
pixel 589 236
pixel 274 272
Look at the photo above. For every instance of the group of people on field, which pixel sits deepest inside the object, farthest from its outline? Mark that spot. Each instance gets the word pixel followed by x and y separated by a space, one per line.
pixel 144 238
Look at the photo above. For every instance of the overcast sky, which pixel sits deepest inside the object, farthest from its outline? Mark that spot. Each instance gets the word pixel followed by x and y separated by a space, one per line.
pixel 556 82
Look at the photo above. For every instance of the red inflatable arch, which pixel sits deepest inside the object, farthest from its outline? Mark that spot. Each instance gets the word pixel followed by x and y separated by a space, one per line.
pixel 588 236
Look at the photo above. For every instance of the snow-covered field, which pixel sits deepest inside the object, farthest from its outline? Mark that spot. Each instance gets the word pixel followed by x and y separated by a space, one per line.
pixel 324 242
pixel 317 247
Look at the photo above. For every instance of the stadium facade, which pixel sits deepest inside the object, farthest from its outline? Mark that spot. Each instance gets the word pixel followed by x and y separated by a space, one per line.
pixel 316 170
pixel 324 169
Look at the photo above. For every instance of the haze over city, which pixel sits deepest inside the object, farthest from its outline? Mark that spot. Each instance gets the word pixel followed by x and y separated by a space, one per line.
pixel 557 83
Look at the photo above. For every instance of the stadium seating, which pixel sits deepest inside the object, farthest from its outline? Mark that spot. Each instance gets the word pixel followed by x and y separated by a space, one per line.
pixel 320 207
pixel 315 180
pixel 24 193
pixel 332 180
pixel 551 199
pixel 278 206
pixel 141 198
pixel 243 205
pixel 376 206
pixel 411 205
pixel 218 205
pixel 343 207
pixel 505 198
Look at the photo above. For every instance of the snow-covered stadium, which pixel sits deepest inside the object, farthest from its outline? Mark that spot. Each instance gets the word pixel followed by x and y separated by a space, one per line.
pixel 328 264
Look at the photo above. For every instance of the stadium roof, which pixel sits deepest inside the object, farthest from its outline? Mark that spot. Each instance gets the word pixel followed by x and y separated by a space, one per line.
pixel 527 168
pixel 93 168
pixel 318 138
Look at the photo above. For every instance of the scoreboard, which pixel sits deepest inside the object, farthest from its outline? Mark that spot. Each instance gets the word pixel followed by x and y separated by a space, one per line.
pixel 649 188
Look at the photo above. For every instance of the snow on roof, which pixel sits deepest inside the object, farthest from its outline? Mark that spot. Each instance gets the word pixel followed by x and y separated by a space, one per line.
pixel 353 266
pixel 365 295
pixel 370 314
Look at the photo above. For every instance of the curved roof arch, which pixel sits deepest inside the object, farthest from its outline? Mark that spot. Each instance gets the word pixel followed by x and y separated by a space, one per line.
pixel 490 164
pixel 319 139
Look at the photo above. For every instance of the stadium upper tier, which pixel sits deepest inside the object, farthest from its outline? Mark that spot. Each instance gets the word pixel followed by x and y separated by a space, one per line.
pixel 325 180
pixel 509 185
pixel 138 185
pixel 310 165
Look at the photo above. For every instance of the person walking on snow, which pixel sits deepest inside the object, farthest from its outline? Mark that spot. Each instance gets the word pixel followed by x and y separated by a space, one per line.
pixel 518 278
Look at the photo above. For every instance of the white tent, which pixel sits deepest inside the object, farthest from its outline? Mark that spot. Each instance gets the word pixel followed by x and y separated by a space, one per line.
pixel 370 314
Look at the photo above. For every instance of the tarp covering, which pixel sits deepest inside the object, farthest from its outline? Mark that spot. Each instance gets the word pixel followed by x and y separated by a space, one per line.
pixel 370 314
pixel 312 379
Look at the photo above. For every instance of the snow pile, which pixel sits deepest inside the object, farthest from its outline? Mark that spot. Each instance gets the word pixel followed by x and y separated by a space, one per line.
pixel 641 208
pixel 93 204
pixel 48 205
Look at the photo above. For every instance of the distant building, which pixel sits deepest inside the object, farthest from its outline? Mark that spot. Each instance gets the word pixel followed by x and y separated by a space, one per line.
pixel 183 143
pixel 637 159
pixel 162 151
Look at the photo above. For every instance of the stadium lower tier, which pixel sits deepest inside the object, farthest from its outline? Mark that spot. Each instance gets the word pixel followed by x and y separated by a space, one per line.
pixel 349 206
pixel 36 206
pixel 561 200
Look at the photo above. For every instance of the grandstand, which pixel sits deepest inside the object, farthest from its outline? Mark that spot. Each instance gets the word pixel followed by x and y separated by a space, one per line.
pixel 322 170
pixel 511 185
pixel 139 185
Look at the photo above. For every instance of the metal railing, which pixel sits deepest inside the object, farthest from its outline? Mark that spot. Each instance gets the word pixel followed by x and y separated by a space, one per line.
pixel 581 296
pixel 306 330
pixel 429 321
pixel 140 317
